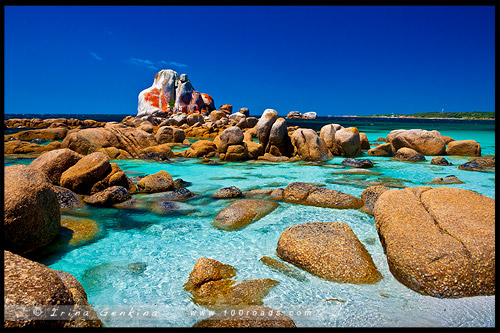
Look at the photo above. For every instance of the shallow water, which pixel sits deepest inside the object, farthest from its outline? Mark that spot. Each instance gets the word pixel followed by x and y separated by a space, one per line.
pixel 140 260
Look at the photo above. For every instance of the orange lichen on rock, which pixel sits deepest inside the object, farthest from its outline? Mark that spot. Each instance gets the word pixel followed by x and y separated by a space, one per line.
pixel 153 97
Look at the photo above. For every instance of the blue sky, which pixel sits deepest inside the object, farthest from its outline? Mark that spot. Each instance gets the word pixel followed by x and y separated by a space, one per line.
pixel 334 60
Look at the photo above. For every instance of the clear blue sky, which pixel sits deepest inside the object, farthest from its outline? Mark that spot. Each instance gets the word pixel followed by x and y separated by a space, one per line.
pixel 334 60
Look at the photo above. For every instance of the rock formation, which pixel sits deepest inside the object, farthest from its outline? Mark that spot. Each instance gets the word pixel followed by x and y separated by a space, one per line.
pixel 171 93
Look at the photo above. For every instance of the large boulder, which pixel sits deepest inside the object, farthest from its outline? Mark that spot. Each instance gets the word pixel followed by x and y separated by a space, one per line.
pixel 32 217
pixel 30 286
pixel 279 143
pixel 200 148
pixel 248 317
pixel 348 142
pixel 463 148
pixel 55 162
pixel 383 150
pixel 109 196
pixel 160 94
pixel 90 140
pixel 370 196
pixel 169 134
pixel 308 194
pixel 327 133
pixel 408 154
pixel 159 182
pixel 230 136
pixel 329 250
pixel 264 125
pixel 205 270
pixel 439 241
pixel 243 212
pixel 85 173
pixel 427 143
pixel 309 146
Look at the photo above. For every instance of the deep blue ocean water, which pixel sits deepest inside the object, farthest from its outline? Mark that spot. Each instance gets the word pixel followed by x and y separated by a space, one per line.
pixel 167 246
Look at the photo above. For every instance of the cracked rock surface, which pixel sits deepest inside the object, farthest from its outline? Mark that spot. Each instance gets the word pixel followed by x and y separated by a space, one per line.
pixel 439 241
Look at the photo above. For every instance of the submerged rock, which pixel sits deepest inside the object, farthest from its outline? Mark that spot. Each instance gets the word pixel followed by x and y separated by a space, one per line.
pixel 243 212
pixel 82 230
pixel 439 160
pixel 446 180
pixel 281 267
pixel 329 250
pixel 360 163
pixel 439 241
pixel 227 192
pixel 485 161
pixel 178 194
pixel 471 166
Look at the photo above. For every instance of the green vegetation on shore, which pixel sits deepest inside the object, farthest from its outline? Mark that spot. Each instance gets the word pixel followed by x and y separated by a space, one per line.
pixel 452 115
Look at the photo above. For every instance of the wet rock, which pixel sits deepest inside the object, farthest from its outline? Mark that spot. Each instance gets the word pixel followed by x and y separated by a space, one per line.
pixel 178 194
pixel 55 162
pixel 439 160
pixel 281 267
pixel 227 192
pixel 471 166
pixel 446 180
pixel 31 209
pixel 329 250
pixel 243 212
pixel 109 196
pixel 132 203
pixel 224 294
pixel 271 158
pixel 308 194
pixel 360 163
pixel 159 182
pixel 42 135
pixel 252 316
pixel 439 241
pixel 179 183
pixel 485 161
pixel 205 270
pixel 463 148
pixel 408 154
pixel 370 197
pixel 309 146
pixel 258 193
pixel 383 150
pixel 28 283
pixel 171 207
pixel 428 143
pixel 277 194
pixel 357 171
pixel 85 173
pixel 68 199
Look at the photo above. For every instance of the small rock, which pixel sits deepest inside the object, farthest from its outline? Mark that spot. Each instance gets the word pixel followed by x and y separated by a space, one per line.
pixel 357 163
pixel 108 197
pixel 227 192
pixel 439 160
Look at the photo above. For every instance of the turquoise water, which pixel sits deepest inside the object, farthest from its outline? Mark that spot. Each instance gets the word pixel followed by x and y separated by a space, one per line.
pixel 166 247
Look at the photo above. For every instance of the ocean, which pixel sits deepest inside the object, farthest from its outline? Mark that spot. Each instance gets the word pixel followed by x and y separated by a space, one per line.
pixel 165 247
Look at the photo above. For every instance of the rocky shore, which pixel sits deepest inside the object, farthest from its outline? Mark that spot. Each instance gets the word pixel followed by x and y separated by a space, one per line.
pixel 438 241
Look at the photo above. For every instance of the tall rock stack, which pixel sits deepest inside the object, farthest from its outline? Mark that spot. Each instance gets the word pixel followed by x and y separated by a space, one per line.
pixel 171 93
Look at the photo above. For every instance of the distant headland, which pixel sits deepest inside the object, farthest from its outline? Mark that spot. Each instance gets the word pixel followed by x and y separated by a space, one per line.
pixel 441 115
